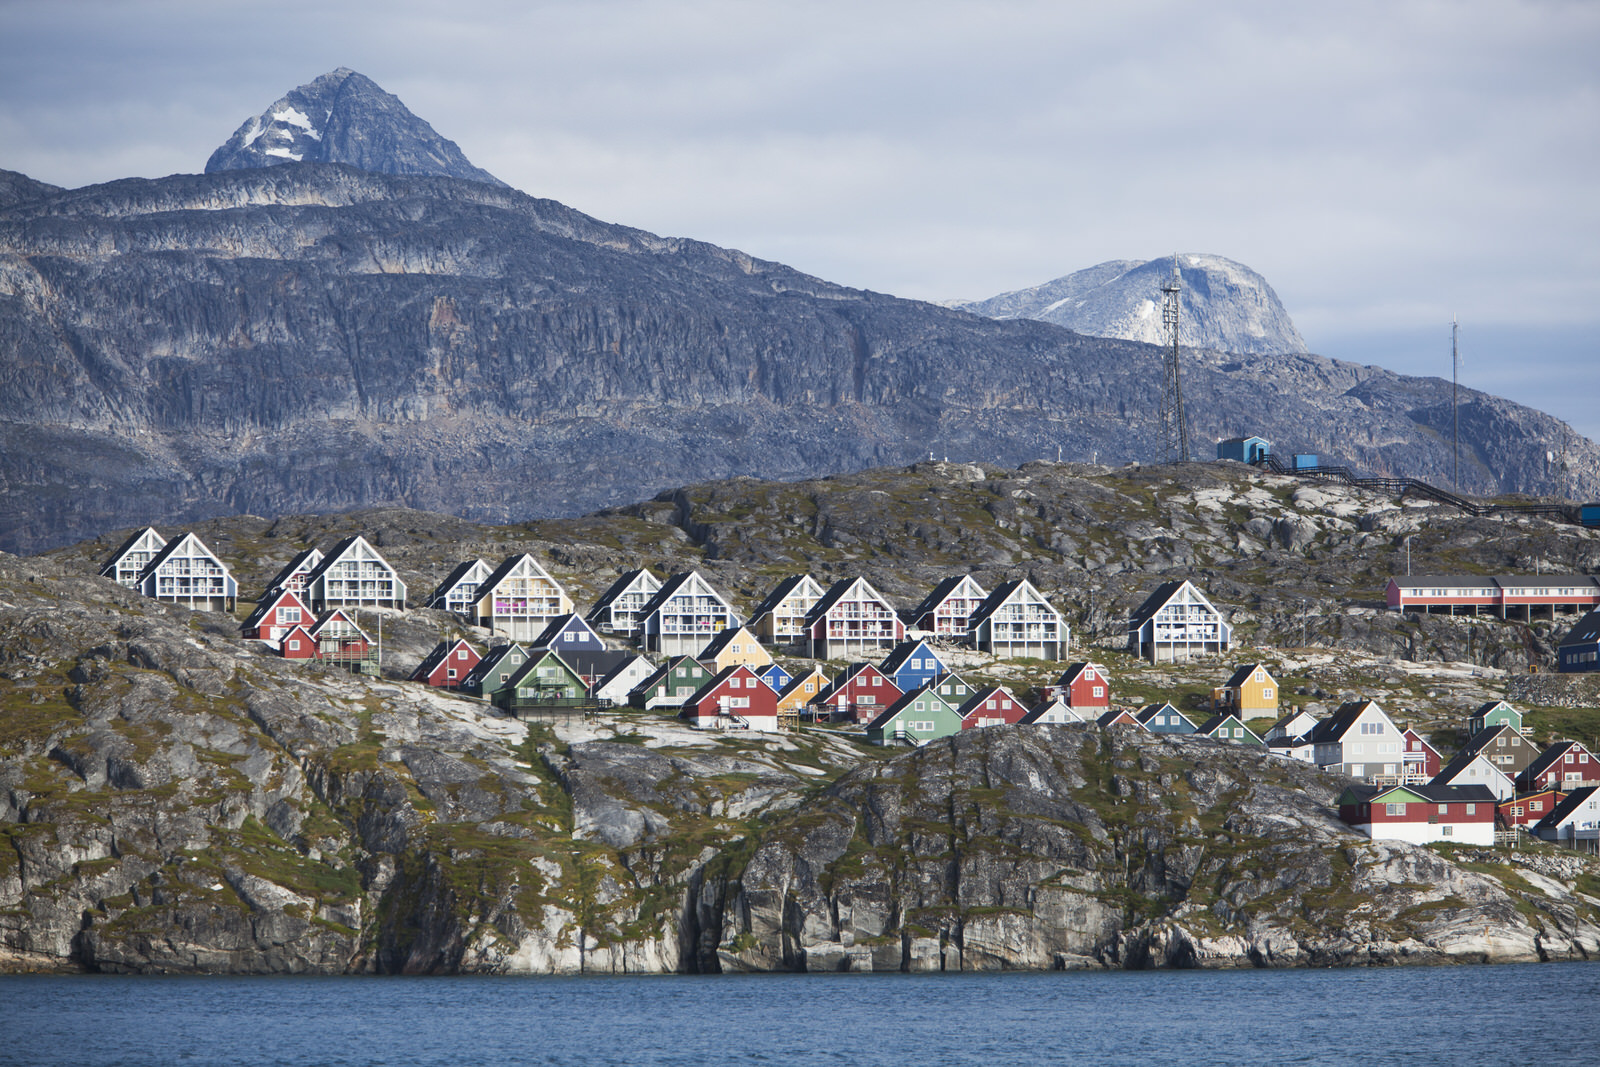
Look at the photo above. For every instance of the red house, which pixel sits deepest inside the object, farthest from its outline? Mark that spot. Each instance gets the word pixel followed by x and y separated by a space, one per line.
pixel 1120 717
pixel 859 694
pixel 1420 760
pixel 275 615
pixel 735 699
pixel 852 618
pixel 1564 765
pixel 993 706
pixel 338 637
pixel 446 665
pixel 1084 685
pixel 298 644
pixel 1528 808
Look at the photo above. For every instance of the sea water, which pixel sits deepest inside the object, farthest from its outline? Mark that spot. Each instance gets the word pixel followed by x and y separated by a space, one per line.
pixel 1546 1015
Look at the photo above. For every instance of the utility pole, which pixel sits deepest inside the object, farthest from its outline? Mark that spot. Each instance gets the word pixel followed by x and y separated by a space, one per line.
pixel 1455 398
pixel 1174 429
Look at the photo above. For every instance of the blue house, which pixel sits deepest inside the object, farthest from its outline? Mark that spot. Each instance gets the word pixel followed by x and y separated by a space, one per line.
pixel 569 633
pixel 1580 649
pixel 775 676
pixel 1244 449
pixel 1164 719
pixel 911 664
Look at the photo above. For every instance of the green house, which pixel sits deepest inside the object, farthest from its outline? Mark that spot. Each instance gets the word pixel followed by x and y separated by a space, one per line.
pixel 543 682
pixel 670 686
pixel 1229 728
pixel 915 719
pixel 953 689
pixel 494 671
pixel 1492 714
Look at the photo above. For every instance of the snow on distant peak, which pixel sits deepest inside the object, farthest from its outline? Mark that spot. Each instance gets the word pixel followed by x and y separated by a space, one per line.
pixel 293 116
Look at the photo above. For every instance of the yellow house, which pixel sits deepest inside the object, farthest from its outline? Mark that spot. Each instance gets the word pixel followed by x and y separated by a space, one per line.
pixel 734 648
pixel 800 692
pixel 1252 692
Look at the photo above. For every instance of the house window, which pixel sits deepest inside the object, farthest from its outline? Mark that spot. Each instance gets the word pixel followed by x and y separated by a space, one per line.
pixel 1447 831
pixel 1444 809
pixel 1394 809
pixel 461 654
pixel 1099 690
pixel 1499 742
pixel 294 646
pixel 1266 694
pixel 451 673
pixel 1238 731
pixel 1516 811
pixel 1472 809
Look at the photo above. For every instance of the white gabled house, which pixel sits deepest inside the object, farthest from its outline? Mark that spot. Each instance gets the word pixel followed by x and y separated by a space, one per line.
pixel 1473 768
pixel 1016 621
pixel 294 573
pixel 1177 623
pixel 1056 712
pixel 617 610
pixel 354 575
pixel 1576 818
pixel 129 561
pixel 852 618
pixel 623 679
pixel 780 619
pixel 947 611
pixel 186 572
pixel 519 599
pixel 1359 740
pixel 684 615
pixel 459 590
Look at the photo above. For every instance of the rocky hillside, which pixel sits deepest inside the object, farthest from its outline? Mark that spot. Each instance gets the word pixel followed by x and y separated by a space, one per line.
pixel 173 801
pixel 316 338
pixel 344 117
pixel 1224 305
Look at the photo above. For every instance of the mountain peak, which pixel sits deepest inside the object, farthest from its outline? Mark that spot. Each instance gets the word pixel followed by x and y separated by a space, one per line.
pixel 1224 304
pixel 344 117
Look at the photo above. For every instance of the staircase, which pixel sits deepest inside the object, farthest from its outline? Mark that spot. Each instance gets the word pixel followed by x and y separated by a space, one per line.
pixel 1403 487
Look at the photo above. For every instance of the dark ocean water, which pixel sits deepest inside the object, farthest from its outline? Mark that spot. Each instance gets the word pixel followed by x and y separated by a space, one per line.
pixel 1546 1015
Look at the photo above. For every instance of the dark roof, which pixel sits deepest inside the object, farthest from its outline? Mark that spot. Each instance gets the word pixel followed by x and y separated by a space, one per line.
pixel 332 557
pixel 1242 675
pixel 595 662
pixel 715 680
pixel 970 705
pixel 1335 726
pixel 1518 581
pixel 1148 712
pixel 900 653
pixel 1567 806
pixel 491 659
pixel 723 638
pixel 620 666
pixel 801 679
pixel 1216 721
pixel 1070 675
pixel 327 617
pixel 499 574
pixel 127 546
pixel 1547 758
pixel 538 656
pixel 1586 631
pixel 940 592
pixel 451 580
pixel 435 658
pixel 616 589
pixel 845 677
pixel 777 596
pixel 559 625
pixel 1108 717
pixel 1153 603
pixel 1434 794
pixel 671 586
pixel 1489 705
pixel 666 668
pixel 1443 581
pixel 1001 594
pixel 839 589
pixel 268 601
pixel 1469 752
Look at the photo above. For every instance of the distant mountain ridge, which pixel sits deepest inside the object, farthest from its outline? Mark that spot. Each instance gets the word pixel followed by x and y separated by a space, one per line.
pixel 1224 305
pixel 344 117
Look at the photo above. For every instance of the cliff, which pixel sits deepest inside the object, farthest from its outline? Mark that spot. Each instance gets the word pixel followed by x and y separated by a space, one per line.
pixel 312 337
pixel 173 800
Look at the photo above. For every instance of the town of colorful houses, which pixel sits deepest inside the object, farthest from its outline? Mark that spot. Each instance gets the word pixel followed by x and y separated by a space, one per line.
pixel 693 655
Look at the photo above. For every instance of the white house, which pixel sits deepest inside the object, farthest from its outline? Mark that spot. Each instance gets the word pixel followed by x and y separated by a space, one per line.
pixel 1359 740
pixel 1177 623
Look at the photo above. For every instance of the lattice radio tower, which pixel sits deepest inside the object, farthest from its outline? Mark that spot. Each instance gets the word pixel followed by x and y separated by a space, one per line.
pixel 1174 427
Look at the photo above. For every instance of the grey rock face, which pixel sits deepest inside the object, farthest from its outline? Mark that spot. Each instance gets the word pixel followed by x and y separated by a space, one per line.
pixel 1224 305
pixel 317 338
pixel 344 117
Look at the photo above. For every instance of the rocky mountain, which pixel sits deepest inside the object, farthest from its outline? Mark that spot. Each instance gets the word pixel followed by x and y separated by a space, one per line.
pixel 317 337
pixel 1224 305
pixel 344 117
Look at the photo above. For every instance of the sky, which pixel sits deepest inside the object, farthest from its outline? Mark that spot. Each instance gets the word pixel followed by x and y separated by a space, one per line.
pixel 1385 165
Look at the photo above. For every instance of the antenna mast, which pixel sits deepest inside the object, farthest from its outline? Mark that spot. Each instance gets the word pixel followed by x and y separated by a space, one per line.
pixel 1174 428
pixel 1455 400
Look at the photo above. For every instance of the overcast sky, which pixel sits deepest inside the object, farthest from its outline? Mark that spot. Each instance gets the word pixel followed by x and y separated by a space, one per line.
pixel 1384 165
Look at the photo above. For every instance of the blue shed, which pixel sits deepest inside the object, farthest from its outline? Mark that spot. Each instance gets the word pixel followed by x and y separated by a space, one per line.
pixel 1304 461
pixel 1244 449
pixel 1589 514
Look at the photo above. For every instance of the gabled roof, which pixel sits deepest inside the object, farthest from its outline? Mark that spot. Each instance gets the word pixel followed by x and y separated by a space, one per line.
pixel 129 545
pixel 1548 758
pixel 670 588
pixel 491 659
pixel 457 576
pixel 623 583
pixel 628 660
pixel 1569 804
pixel 724 638
pixel 337 552
pixel 560 625
pixel 171 548
pixel 1285 720
pixel 1585 631
pixel 1484 738
pixel 848 675
pixel 440 653
pixel 710 685
pixel 903 651
pixel 1006 591
pixel 1429 794
pixel 1335 726
pixel 905 701
pixel 592 662
pixel 837 591
pixel 976 700
pixel 338 613
pixel 1464 758
pixel 270 601
pixel 782 592
pixel 539 657
pixel 1242 675
pixel 1490 705
pixel 1217 721
pixel 665 670
pixel 1075 669
pixel 1045 707
pixel 1159 599
pixel 1111 717
pixel 503 571
pixel 942 592
pixel 1150 711
pixel 305 560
